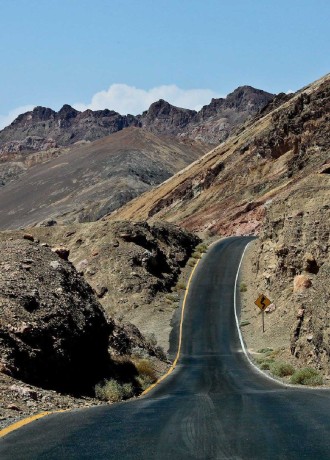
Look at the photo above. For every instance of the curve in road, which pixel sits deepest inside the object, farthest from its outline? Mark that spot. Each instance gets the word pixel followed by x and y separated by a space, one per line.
pixel 214 405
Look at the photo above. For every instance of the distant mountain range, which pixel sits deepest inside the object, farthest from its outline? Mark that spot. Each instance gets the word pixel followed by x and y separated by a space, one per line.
pixel 43 128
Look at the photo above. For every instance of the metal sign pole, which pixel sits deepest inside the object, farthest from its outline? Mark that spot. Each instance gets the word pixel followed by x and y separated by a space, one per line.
pixel 263 321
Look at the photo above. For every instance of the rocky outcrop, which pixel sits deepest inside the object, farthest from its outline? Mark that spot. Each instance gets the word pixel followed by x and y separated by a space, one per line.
pixel 164 118
pixel 53 332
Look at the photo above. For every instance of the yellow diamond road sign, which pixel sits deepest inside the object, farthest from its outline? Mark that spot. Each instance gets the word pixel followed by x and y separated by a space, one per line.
pixel 262 302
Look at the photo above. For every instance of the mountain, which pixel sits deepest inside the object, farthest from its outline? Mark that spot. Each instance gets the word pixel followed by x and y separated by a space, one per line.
pixel 44 129
pixel 85 182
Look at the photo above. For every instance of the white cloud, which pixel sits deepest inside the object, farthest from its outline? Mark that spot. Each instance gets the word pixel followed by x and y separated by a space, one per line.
pixel 129 99
pixel 6 119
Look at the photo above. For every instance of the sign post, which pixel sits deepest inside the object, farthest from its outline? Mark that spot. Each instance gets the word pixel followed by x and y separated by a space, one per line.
pixel 262 302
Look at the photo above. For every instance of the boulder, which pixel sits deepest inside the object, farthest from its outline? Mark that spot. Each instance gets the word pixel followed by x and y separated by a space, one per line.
pixel 301 282
pixel 53 331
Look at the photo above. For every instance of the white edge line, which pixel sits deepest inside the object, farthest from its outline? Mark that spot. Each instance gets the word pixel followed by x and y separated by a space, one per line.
pixel 288 385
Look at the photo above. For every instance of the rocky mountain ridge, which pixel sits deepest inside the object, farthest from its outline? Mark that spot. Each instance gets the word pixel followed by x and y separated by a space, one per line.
pixel 43 128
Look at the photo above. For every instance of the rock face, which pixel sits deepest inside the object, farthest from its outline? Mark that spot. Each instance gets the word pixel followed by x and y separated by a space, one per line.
pixel 292 266
pixel 44 129
pixel 53 330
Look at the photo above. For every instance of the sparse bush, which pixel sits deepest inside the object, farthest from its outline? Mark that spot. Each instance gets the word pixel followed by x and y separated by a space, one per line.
pixel 281 369
pixel 201 247
pixel 145 368
pixel 192 262
pixel 265 365
pixel 171 298
pixel 243 287
pixel 244 323
pixel 265 350
pixel 307 376
pixel 110 390
pixel 181 286
pixel 127 390
pixel 147 375
pixel 143 382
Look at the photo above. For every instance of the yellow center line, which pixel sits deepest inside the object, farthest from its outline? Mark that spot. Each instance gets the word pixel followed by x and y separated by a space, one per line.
pixel 171 369
pixel 25 421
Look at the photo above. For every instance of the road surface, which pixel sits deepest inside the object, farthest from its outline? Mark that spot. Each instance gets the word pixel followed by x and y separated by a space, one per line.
pixel 213 406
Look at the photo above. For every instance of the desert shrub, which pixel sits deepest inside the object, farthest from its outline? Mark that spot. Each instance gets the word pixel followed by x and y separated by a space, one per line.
pixel 265 350
pixel 110 390
pixel 281 369
pixel 244 323
pixel 201 247
pixel 266 363
pixel 307 376
pixel 145 368
pixel 171 298
pixel 127 390
pixel 143 381
pixel 181 286
pixel 192 262
pixel 243 287
pixel 146 373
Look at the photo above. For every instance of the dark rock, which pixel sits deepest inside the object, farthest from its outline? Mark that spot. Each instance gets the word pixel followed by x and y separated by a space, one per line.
pixel 63 253
pixel 29 237
pixel 48 223
pixel 53 334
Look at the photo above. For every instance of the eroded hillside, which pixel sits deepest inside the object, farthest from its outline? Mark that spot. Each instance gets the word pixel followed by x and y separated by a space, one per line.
pixel 290 264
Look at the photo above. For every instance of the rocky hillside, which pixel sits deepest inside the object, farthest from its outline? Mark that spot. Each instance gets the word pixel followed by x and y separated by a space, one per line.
pixel 84 182
pixel 228 190
pixel 131 267
pixel 296 235
pixel 55 335
pixel 44 129
pixel 290 264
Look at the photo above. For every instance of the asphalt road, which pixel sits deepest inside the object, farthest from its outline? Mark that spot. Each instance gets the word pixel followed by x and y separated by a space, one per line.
pixel 213 406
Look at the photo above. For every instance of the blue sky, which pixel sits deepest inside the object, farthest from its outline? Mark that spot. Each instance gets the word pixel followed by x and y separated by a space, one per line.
pixel 124 54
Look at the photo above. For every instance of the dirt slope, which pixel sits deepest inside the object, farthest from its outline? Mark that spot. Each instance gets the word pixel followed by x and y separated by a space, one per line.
pixel 87 181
